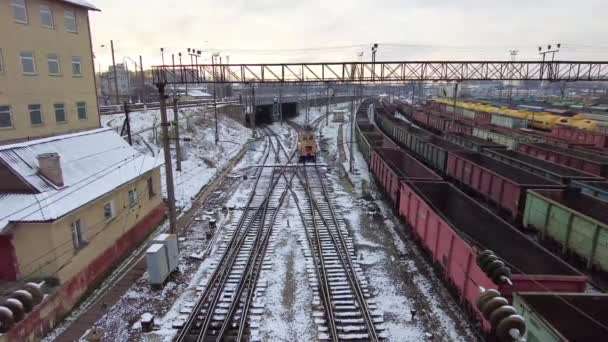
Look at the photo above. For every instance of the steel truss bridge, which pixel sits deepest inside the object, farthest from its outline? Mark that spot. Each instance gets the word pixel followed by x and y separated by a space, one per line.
pixel 382 72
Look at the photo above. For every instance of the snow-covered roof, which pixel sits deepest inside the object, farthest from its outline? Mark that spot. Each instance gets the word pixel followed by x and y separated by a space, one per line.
pixel 198 93
pixel 81 3
pixel 93 163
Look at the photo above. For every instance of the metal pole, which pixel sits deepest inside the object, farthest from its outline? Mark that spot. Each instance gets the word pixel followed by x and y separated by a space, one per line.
pixel 128 122
pixel 454 113
pixel 167 152
pixel 253 109
pixel 281 102
pixel 173 61
pixel 143 82
pixel 184 68
pixel 352 135
pixel 217 136
pixel 115 74
pixel 178 166
pixel 327 106
pixel 128 80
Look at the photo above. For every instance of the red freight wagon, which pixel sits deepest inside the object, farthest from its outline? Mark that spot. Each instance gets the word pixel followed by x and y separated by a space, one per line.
pixel 439 123
pixel 589 162
pixel 464 127
pixel 420 118
pixel 390 166
pixel 454 229
pixel 503 184
pixel 580 136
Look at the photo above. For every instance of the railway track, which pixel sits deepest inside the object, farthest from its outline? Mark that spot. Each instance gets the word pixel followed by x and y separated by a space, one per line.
pixel 222 310
pixel 343 309
pixel 343 304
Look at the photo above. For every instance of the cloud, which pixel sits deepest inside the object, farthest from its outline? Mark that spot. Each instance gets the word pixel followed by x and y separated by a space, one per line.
pixel 277 30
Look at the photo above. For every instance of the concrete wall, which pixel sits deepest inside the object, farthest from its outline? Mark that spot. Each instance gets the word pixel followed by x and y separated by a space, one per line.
pixel 18 90
pixel 234 111
pixel 46 249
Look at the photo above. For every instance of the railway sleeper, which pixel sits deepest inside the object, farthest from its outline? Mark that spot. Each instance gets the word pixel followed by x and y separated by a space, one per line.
pixel 352 328
pixel 354 337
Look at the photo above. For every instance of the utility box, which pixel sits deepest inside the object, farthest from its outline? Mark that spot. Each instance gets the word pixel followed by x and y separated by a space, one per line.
pixel 339 115
pixel 171 250
pixel 158 269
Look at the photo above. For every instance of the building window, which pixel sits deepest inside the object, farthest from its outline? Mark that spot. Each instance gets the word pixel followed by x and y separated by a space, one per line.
pixel 19 11
pixel 132 198
pixel 28 62
pixel 46 17
pixel 35 114
pixel 1 63
pixel 6 119
pixel 70 21
pixel 54 64
pixel 81 108
pixel 108 211
pixel 77 234
pixel 59 112
pixel 151 192
pixel 76 68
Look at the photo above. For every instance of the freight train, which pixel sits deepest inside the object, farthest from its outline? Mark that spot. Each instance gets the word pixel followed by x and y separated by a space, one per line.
pixel 454 229
pixel 537 119
pixel 512 178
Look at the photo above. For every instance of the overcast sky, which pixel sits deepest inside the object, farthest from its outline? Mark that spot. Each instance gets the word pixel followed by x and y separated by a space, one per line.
pixel 330 30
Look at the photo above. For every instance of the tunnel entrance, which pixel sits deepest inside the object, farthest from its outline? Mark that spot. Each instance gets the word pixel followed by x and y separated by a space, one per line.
pixel 264 113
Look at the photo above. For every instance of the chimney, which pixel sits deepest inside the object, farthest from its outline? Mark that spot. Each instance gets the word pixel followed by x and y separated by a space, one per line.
pixel 50 167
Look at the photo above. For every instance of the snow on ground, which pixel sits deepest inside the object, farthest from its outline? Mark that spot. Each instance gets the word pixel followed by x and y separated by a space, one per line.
pixel 400 283
pixel 205 158
pixel 287 314
pixel 179 295
pixel 398 279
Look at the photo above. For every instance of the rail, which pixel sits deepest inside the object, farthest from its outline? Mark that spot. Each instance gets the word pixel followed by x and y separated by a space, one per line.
pixel 219 278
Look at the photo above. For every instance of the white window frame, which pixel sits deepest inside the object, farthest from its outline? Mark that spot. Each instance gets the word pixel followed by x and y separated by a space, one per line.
pixel 150 186
pixel 112 211
pixel 44 10
pixel 33 58
pixel 82 104
pixel 77 60
pixel 10 116
pixel 55 58
pixel 29 110
pixel 133 198
pixel 2 65
pixel 65 117
pixel 78 238
pixel 69 15
pixel 21 4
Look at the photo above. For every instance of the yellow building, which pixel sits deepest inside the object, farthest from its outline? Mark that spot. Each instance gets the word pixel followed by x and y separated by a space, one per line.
pixel 47 83
pixel 71 207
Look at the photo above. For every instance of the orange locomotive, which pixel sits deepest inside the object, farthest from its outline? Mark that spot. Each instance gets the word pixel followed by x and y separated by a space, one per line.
pixel 307 144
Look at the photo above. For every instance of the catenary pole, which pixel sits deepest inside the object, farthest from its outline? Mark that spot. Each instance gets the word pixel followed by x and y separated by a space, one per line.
pixel 116 92
pixel 167 152
pixel 178 158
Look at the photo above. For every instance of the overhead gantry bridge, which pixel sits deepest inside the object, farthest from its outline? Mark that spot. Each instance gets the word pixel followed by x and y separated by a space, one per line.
pixel 381 72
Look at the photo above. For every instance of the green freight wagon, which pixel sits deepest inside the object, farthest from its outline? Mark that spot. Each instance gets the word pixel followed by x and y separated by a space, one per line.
pixel 578 222
pixel 561 317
